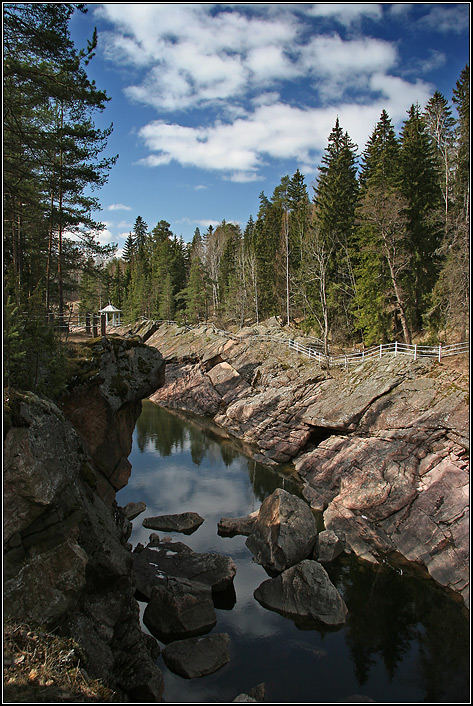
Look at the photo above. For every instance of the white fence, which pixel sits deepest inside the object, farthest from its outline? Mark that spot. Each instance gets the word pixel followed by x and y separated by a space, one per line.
pixel 413 351
pixel 314 350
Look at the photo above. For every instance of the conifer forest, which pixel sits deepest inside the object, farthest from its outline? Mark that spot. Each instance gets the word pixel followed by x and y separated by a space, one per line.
pixel 376 248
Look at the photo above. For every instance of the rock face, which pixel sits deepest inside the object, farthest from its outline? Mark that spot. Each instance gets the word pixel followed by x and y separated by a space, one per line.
pixel 178 609
pixel 185 522
pixel 65 559
pixel 104 401
pixel 304 591
pixel 382 448
pixel 214 570
pixel 284 532
pixel 199 656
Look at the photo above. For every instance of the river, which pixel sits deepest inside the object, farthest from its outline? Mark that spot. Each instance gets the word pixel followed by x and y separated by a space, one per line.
pixel 404 639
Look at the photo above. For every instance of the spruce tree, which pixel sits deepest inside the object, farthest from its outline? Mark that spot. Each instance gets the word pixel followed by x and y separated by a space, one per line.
pixel 419 185
pixel 383 256
pixel 129 248
pixel 335 199
pixel 451 298
pixel 461 99
pixel 440 126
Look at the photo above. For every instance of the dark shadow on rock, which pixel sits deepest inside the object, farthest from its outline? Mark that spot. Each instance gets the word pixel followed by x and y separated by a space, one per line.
pixel 224 600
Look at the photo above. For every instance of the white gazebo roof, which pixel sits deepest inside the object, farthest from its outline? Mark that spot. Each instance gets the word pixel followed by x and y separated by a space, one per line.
pixel 109 308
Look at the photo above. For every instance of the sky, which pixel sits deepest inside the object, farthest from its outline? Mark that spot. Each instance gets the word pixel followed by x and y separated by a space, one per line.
pixel 212 104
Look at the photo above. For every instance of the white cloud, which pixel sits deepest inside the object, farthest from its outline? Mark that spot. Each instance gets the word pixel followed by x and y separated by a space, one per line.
pixel 118 207
pixel 347 13
pixel 400 9
pixel 446 18
pixel 243 177
pixel 239 60
pixel 332 56
pixel 196 56
pixel 281 131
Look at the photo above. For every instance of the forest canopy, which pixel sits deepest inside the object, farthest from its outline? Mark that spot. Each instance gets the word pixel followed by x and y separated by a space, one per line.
pixel 376 249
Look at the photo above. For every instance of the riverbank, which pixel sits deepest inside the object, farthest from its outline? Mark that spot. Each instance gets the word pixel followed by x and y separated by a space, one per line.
pixel 67 566
pixel 382 448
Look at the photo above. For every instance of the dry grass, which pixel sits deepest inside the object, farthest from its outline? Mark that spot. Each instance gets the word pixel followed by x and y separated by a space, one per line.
pixel 42 667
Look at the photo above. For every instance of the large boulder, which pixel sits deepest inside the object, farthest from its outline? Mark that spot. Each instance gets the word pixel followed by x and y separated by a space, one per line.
pixel 185 522
pixel 284 533
pixel 304 592
pixel 176 559
pixel 179 609
pixel 198 656
pixel 328 546
pixel 232 526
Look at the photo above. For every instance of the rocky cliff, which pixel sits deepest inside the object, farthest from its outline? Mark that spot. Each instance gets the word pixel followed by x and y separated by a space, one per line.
pixel 382 448
pixel 66 563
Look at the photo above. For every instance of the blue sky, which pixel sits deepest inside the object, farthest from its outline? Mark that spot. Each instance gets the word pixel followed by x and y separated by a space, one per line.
pixel 213 103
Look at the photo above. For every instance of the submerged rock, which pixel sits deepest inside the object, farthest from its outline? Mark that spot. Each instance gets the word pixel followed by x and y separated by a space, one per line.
pixel 132 510
pixel 304 591
pixel 177 560
pixel 199 656
pixel 232 526
pixel 185 522
pixel 179 609
pixel 284 532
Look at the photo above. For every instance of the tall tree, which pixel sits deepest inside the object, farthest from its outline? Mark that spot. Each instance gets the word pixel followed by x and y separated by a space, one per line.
pixel 451 300
pixel 383 258
pixel 440 126
pixel 419 186
pixel 51 146
pixel 335 199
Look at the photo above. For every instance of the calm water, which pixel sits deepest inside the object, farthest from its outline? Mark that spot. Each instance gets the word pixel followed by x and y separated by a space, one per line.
pixel 403 641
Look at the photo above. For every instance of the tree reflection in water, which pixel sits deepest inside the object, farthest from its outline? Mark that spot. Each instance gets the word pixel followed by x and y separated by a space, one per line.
pixel 404 639
pixel 178 431
pixel 390 613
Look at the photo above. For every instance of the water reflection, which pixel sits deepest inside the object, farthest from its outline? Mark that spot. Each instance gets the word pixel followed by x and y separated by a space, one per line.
pixel 403 641
pixel 168 431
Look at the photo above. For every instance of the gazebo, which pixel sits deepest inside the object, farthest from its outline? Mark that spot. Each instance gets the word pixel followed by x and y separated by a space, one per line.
pixel 112 313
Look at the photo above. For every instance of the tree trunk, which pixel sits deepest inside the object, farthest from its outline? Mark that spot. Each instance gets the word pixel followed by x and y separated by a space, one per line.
pixel 59 253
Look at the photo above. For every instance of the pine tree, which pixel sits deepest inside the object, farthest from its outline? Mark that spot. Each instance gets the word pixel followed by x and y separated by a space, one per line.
pixel 51 146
